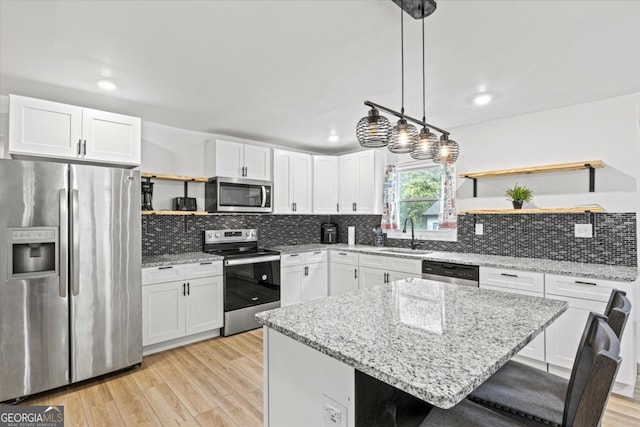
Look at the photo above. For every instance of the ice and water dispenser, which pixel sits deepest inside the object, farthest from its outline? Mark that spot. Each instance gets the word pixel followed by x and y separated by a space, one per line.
pixel 33 252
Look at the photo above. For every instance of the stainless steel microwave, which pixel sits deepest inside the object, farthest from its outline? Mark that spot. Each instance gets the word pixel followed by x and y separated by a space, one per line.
pixel 223 194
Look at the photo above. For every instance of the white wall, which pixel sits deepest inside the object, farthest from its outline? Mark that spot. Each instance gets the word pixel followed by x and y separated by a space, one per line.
pixel 604 130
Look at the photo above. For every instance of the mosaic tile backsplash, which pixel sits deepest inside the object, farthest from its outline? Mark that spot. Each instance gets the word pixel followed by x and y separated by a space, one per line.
pixel 548 236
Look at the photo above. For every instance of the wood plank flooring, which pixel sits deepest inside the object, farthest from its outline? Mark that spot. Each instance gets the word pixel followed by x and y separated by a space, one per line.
pixel 217 382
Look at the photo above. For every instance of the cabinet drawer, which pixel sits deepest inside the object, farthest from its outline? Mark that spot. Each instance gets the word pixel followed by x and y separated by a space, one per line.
pixel 203 269
pixel 292 259
pixel 316 256
pixel 512 279
pixel 343 257
pixel 579 287
pixel 404 265
pixel 373 261
pixel 165 273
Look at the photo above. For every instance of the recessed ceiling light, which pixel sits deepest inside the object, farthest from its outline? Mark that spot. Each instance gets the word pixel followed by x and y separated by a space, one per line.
pixel 482 99
pixel 106 84
pixel 333 138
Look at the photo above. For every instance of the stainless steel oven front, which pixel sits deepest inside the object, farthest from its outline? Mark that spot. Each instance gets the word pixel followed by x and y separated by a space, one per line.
pixel 223 194
pixel 251 285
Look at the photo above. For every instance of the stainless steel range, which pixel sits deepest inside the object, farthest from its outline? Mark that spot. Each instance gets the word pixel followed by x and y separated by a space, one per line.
pixel 251 277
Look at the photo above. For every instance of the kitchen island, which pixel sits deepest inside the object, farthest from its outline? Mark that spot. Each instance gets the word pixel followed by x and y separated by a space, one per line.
pixel 391 351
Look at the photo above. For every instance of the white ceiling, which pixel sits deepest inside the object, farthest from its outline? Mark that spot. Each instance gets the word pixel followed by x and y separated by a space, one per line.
pixel 292 72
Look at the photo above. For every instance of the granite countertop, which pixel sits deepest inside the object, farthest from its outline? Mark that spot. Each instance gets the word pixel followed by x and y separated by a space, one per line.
pixel 186 258
pixel 436 341
pixel 596 271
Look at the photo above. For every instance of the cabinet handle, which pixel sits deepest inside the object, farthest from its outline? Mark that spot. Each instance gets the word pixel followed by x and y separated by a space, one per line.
pixel 337 207
pixel 508 275
pixel 246 171
pixel 188 288
pixel 342 253
pixel 353 206
pixel 184 290
pixel 386 277
pixel 306 270
pixel 254 299
pixel 79 147
pixel 356 205
pixel 206 263
pixel 292 255
pixel 84 148
pixel 165 268
pixel 317 253
pixel 355 273
pixel 579 282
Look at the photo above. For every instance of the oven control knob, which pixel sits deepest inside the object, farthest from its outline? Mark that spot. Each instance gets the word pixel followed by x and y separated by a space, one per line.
pixel 253 233
pixel 209 235
pixel 217 234
pixel 264 277
pixel 248 234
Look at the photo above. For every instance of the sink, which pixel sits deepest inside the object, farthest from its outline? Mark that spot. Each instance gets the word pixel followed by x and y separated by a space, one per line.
pixel 405 251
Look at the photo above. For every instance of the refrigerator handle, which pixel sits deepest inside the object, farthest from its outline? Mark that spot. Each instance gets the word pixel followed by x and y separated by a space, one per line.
pixel 75 244
pixel 63 248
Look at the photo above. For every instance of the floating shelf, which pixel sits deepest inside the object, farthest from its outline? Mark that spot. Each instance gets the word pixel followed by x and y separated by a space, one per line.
pixel 186 213
pixel 577 209
pixel 183 178
pixel 557 167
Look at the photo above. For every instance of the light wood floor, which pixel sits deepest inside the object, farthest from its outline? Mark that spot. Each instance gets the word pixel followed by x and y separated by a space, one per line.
pixel 211 383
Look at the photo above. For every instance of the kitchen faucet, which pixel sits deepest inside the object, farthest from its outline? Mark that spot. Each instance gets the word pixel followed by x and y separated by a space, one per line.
pixel 404 230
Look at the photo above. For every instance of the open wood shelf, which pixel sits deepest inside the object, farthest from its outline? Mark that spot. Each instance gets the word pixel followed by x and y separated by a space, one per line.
pixel 198 213
pixel 577 209
pixel 183 178
pixel 558 167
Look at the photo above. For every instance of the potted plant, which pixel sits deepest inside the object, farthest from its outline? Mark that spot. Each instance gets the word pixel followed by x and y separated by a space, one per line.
pixel 518 195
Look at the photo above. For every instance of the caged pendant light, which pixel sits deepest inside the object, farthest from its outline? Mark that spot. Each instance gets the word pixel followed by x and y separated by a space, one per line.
pixel 375 131
pixel 423 150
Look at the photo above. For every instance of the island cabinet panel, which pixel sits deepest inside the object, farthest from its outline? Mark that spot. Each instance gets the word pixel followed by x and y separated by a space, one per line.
pixel 303 277
pixel 585 295
pixel 180 304
pixel 302 386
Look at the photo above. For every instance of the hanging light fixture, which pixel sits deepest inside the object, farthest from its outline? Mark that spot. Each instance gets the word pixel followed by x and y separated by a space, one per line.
pixel 372 131
pixel 445 151
pixel 375 131
pixel 423 150
pixel 403 136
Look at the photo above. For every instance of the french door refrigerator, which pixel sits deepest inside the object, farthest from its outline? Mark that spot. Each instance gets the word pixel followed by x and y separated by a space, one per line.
pixel 70 274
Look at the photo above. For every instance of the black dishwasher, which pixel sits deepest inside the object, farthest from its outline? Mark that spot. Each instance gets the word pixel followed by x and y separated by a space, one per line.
pixel 458 274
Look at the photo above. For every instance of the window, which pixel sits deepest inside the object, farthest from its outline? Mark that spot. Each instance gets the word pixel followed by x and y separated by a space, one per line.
pixel 425 193
pixel 419 196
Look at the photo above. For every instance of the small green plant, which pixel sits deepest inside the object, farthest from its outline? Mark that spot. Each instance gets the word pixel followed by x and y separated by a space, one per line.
pixel 519 194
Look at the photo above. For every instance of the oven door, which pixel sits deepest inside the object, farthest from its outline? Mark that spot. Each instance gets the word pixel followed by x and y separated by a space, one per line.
pixel 243 195
pixel 251 281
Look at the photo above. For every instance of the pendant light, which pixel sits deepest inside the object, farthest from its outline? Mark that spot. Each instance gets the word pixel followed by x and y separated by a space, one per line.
pixel 403 136
pixel 372 130
pixel 445 151
pixel 423 150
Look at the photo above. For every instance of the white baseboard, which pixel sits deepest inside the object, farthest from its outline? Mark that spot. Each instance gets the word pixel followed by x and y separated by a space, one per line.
pixel 179 342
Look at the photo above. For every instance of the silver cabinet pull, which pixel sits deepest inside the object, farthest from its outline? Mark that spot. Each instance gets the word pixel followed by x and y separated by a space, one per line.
pixel 579 282
pixel 79 147
pixel 317 253
pixel 206 263
pixel 84 148
pixel 292 255
pixel 184 289
pixel 188 288
pixel 342 253
pixel 337 207
pixel 306 270
pixel 508 275
pixel 355 273
pixel 165 268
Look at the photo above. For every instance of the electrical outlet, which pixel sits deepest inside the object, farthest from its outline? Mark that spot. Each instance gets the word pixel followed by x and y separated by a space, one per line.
pixel 583 230
pixel 333 413
pixel 479 229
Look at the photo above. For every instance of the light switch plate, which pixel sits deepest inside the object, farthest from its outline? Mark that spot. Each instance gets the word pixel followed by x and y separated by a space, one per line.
pixel 583 230
pixel 479 229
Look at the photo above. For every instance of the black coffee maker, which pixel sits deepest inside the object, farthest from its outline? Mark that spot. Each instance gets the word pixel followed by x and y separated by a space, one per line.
pixel 147 195
pixel 329 233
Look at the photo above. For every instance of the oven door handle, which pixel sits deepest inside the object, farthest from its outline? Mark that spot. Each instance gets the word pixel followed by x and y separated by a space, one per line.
pixel 254 260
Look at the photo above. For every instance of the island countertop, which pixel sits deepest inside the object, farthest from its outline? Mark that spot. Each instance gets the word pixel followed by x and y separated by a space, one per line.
pixel 435 341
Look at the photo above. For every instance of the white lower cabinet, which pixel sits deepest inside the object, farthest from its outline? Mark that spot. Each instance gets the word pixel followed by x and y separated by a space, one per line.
pixel 343 274
pixel 303 277
pixel 181 301
pixel 393 268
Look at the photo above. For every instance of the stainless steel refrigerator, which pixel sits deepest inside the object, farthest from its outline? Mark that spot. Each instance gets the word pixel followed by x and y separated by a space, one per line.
pixel 70 274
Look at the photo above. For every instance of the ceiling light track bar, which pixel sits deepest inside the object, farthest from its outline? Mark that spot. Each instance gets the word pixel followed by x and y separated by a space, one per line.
pixel 404 116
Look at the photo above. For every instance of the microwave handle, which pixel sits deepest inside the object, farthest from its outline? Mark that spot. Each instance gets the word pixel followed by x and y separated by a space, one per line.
pixel 264 196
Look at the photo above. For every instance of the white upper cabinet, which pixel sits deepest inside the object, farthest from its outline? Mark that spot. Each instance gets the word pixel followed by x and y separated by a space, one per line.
pixel 292 177
pixel 39 128
pixel 360 181
pixel 325 184
pixel 237 160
